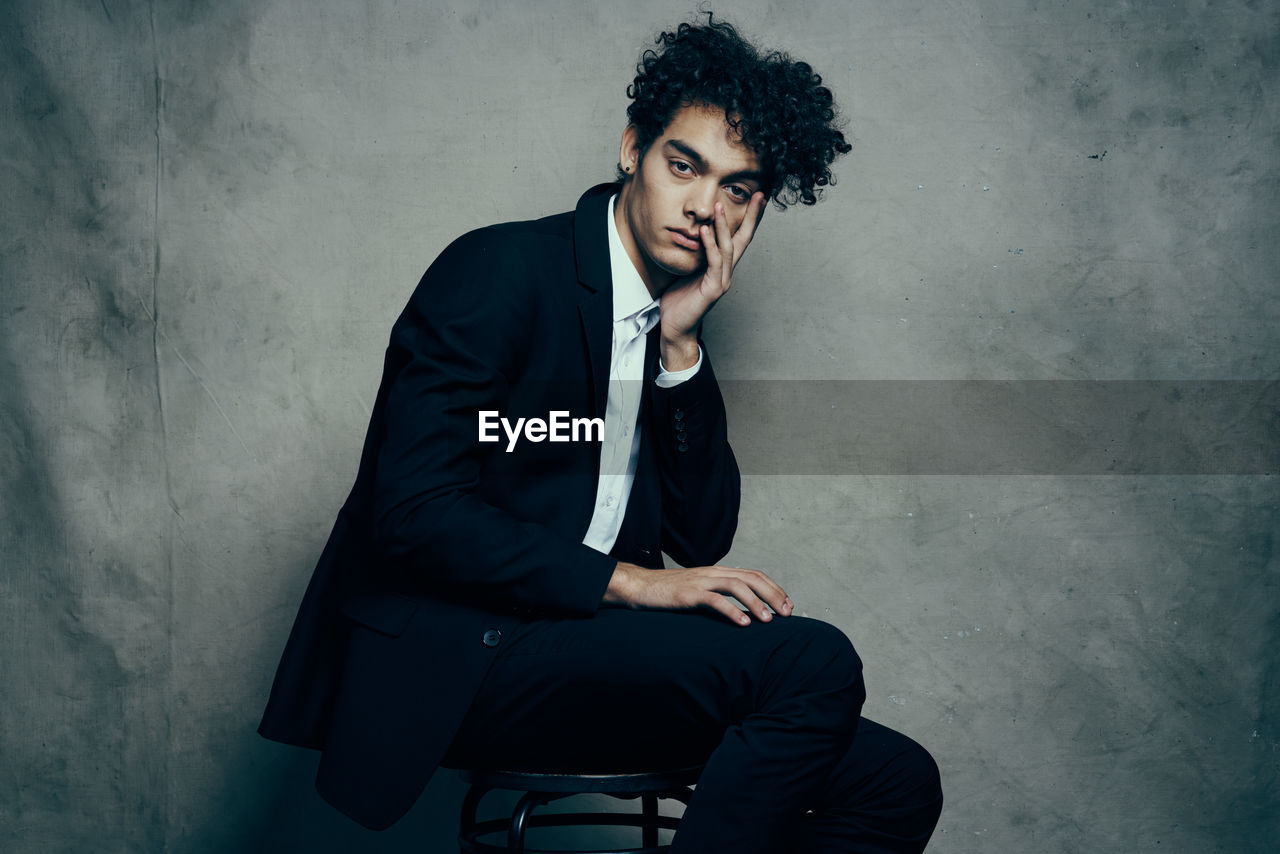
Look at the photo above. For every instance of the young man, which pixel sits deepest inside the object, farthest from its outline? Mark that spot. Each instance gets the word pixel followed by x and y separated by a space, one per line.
pixel 492 593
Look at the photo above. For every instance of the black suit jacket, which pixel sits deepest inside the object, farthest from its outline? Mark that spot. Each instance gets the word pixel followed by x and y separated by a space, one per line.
pixel 446 542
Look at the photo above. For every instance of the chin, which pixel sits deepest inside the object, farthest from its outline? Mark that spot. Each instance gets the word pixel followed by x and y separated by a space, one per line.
pixel 683 266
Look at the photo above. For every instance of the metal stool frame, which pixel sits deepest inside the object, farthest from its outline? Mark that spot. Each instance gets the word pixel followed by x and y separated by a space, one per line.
pixel 541 789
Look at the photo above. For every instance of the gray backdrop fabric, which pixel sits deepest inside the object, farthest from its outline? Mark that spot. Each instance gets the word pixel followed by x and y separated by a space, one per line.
pixel 1006 400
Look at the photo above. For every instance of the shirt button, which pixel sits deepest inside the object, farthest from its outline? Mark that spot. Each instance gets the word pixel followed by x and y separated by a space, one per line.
pixel 679 414
pixel 492 638
pixel 682 436
pixel 682 447
pixel 608 502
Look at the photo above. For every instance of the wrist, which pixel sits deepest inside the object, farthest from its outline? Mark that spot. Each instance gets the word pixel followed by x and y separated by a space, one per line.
pixel 621 584
pixel 680 353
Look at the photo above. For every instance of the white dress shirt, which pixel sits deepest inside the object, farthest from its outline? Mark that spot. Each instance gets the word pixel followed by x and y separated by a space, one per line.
pixel 635 312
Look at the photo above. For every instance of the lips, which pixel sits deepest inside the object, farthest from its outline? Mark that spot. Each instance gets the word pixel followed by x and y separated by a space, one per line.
pixel 685 240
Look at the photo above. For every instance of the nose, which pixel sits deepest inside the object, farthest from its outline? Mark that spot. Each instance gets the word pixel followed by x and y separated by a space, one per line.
pixel 700 202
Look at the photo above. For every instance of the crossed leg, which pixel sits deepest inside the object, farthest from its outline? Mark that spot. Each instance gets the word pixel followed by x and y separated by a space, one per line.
pixel 771 708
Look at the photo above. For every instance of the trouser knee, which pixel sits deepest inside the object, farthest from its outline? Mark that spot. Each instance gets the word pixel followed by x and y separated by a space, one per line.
pixel 817 661
pixel 912 775
pixel 919 764
pixel 828 654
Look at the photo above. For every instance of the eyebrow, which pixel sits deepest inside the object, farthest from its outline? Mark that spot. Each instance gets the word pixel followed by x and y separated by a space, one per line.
pixel 692 153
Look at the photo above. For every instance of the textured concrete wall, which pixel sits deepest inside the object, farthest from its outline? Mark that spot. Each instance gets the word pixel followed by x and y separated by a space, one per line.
pixel 214 210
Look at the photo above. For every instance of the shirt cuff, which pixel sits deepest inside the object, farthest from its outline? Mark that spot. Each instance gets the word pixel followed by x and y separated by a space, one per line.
pixel 670 379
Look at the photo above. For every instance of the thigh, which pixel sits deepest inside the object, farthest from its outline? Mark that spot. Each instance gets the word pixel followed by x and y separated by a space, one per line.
pixel 628 689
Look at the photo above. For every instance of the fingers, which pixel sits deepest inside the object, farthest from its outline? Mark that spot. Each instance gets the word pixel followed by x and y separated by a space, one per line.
pixel 724 237
pixel 768 590
pixel 747 229
pixel 710 234
pixel 725 606
pixel 701 587
pixel 757 592
pixel 722 242
pixel 717 243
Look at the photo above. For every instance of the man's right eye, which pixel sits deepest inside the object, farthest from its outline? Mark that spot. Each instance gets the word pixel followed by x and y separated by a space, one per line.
pixel 680 167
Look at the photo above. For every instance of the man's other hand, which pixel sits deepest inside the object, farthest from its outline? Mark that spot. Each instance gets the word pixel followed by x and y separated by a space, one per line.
pixel 686 301
pixel 699 587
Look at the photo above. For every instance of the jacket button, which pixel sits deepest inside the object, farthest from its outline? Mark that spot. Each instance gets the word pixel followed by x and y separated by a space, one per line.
pixel 682 447
pixel 679 414
pixel 492 637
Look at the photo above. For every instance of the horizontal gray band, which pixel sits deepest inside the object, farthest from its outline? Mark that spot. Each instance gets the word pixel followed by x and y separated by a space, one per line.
pixel 996 427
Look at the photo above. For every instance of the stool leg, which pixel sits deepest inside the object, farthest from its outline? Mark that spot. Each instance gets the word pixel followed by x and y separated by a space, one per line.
pixel 467 821
pixel 515 836
pixel 649 811
pixel 470 804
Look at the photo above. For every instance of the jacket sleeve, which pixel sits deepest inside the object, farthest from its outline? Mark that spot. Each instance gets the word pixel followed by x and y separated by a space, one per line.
pixel 455 349
pixel 701 489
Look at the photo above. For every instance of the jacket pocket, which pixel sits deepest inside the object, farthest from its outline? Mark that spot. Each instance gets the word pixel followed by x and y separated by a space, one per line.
pixel 386 613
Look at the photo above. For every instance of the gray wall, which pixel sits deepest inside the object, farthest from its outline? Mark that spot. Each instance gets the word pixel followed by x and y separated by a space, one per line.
pixel 213 212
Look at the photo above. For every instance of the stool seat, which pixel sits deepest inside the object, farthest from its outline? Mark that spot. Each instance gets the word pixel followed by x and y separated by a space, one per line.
pixel 581 784
pixel 541 788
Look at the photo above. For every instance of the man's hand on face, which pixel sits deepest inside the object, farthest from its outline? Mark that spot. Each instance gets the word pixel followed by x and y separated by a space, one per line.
pixel 700 587
pixel 686 301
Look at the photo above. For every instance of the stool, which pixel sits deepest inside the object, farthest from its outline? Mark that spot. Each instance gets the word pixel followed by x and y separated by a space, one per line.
pixel 542 789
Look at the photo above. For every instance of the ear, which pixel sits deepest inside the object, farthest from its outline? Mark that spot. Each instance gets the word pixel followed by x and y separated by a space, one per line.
pixel 629 152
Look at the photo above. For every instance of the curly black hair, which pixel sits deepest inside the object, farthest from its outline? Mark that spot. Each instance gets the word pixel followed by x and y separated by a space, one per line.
pixel 778 105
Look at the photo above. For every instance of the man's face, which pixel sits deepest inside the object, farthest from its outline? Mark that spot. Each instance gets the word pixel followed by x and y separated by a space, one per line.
pixel 696 162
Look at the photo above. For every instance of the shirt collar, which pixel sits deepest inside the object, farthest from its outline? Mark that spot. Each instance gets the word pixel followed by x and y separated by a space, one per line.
pixel 630 297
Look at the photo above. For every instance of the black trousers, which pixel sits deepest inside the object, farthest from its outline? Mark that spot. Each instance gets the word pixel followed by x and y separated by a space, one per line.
pixel 771 708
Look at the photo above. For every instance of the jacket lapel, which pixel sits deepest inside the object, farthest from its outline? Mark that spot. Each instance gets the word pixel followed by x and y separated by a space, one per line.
pixel 595 297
